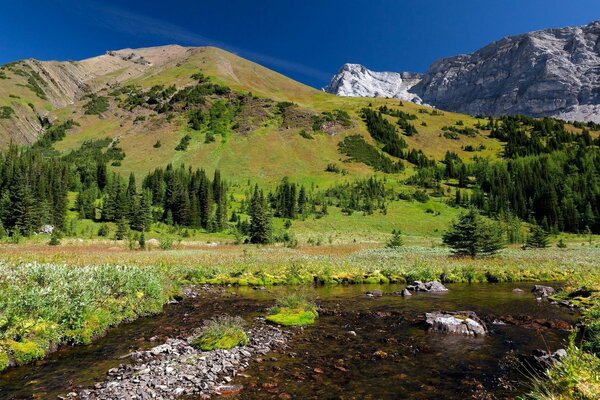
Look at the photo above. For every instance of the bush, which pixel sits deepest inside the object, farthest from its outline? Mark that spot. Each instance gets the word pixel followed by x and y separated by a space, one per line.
pixel 166 243
pixel 221 333
pixel 6 112
pixel 184 143
pixel 96 105
pixel 104 230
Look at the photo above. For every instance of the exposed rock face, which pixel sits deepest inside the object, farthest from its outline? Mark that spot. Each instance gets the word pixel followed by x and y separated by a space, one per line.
pixel 554 72
pixel 354 80
pixel 460 323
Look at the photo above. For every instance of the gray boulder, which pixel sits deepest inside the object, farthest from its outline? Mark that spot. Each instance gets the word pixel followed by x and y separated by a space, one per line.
pixel 433 286
pixel 461 323
pixel 542 291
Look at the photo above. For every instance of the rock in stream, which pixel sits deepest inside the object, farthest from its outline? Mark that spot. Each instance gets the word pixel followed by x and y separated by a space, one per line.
pixel 460 322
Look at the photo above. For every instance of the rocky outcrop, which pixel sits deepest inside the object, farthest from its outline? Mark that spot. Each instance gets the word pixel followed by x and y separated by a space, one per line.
pixel 433 286
pixel 460 323
pixel 354 80
pixel 542 291
pixel 175 368
pixel 553 72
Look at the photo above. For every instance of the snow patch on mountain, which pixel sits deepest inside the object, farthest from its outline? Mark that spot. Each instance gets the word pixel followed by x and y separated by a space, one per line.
pixel 355 80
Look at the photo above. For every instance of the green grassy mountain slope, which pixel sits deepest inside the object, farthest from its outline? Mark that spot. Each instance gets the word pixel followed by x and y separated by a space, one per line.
pixel 265 147
pixel 205 107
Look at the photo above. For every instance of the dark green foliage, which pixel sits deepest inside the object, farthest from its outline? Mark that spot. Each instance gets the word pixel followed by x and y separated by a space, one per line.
pixel 451 132
pixel 188 198
pixel 524 136
pixel 331 167
pixel 54 133
pixel 54 238
pixel 157 145
pixel 403 119
pixel 122 229
pixel 562 188
pixel 396 240
pixel 142 241
pixel 33 190
pixel 538 238
pixel 184 143
pixel 156 98
pixel 366 195
pixel 305 134
pixel 3 75
pixel 6 112
pixel 359 150
pixel 383 131
pixel 34 80
pixel 96 105
pixel 104 230
pixel 285 199
pixel 471 235
pixel 260 229
pixel 337 117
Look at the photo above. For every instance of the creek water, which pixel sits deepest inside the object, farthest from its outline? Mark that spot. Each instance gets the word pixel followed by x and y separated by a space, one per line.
pixel 391 355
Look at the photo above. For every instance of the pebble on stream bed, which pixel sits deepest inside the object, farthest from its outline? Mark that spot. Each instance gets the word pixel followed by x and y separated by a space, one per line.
pixel 175 369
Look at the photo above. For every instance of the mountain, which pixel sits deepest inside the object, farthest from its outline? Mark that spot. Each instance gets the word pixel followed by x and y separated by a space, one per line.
pixel 277 127
pixel 553 72
pixel 357 81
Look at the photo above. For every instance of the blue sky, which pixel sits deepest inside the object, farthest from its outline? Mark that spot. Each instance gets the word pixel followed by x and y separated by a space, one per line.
pixel 306 40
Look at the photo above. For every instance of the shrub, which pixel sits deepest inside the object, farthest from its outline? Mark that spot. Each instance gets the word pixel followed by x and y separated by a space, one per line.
pixel 184 143
pixel 221 333
pixel 166 243
pixel 6 112
pixel 96 105
pixel 157 145
pixel 104 230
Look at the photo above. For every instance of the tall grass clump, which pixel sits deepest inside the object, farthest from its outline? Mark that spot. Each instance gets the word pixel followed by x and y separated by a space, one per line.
pixel 293 310
pixel 46 305
pixel 223 332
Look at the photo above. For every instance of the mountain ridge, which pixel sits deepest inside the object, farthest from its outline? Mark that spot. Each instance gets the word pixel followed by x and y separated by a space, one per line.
pixel 552 72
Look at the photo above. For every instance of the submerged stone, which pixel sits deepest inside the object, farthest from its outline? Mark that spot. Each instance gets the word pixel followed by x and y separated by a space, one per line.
pixel 461 323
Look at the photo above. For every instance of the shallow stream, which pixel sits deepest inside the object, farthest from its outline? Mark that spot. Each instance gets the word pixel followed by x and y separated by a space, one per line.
pixel 390 356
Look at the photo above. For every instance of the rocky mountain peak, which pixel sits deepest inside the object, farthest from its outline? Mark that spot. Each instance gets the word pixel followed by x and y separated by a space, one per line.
pixel 552 72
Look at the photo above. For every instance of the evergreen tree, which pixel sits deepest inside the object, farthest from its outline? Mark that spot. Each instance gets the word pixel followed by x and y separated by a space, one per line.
pixel 260 219
pixel 396 240
pixel 54 238
pixel 538 238
pixel 471 235
pixel 121 229
pixel 142 241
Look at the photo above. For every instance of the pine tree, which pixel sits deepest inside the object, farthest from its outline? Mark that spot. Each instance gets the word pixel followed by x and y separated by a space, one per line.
pixel 142 241
pixel 471 235
pixel 538 238
pixel 121 229
pixel 396 240
pixel 260 219
pixel 54 238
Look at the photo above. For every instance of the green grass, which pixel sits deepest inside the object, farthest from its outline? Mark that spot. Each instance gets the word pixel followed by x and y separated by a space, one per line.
pixel 292 310
pixel 221 333
pixel 576 377
pixel 45 305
